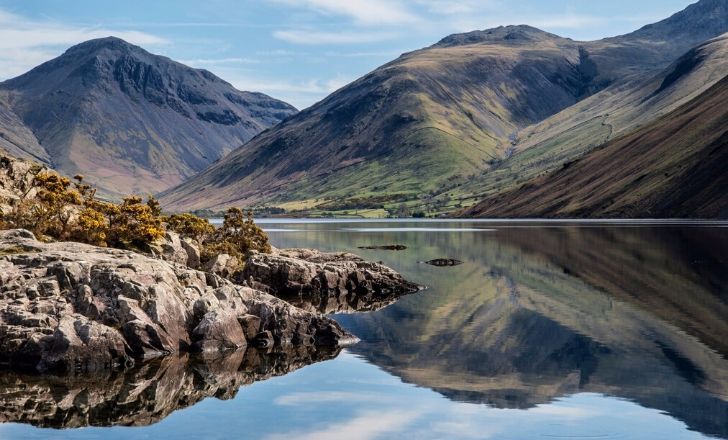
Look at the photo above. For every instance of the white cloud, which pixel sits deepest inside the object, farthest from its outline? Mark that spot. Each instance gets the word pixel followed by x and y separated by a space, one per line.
pixel 365 426
pixel 455 7
pixel 362 12
pixel 299 93
pixel 316 37
pixel 315 397
pixel 26 43
pixel 207 62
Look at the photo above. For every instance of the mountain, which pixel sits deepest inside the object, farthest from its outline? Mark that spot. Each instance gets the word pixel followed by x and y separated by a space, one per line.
pixel 673 167
pixel 129 120
pixel 432 120
pixel 17 139
pixel 608 115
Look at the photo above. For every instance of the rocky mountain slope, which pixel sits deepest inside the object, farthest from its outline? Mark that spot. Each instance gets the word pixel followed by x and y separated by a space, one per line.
pixel 673 167
pixel 437 117
pixel 131 121
pixel 17 139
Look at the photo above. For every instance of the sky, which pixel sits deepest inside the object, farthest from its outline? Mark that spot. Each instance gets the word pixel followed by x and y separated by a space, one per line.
pixel 295 50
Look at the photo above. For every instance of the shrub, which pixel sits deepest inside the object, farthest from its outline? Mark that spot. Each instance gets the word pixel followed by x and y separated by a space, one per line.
pixel 51 212
pixel 64 210
pixel 133 224
pixel 191 226
pixel 93 227
pixel 237 235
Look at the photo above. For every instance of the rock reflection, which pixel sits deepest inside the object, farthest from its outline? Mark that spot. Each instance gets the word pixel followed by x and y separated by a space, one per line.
pixel 343 303
pixel 144 395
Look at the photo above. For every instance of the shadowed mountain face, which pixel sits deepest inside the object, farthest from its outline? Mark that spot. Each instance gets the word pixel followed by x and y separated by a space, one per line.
pixel 434 118
pixel 129 120
pixel 141 396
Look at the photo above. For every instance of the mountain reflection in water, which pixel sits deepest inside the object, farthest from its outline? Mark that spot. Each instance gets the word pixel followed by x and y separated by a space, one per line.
pixel 550 329
pixel 540 313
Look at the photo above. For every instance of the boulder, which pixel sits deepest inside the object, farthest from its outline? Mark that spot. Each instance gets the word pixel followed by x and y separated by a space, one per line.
pixel 16 180
pixel 443 262
pixel 76 307
pixel 223 265
pixel 176 249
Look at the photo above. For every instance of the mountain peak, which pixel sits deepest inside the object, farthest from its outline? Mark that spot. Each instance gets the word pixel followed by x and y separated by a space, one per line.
pixel 111 106
pixel 699 21
pixel 514 34
pixel 97 44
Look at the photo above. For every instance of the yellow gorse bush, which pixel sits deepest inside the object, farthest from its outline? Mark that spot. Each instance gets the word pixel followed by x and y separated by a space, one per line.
pixel 61 209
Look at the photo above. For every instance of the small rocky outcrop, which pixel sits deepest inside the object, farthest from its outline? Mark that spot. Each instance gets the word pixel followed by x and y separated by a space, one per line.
pixel 176 249
pixel 223 265
pixel 326 282
pixel 74 307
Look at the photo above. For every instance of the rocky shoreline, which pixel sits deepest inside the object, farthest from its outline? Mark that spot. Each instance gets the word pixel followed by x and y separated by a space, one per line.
pixel 68 307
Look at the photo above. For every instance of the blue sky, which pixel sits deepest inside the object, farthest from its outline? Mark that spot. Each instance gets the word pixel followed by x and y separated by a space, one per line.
pixel 295 50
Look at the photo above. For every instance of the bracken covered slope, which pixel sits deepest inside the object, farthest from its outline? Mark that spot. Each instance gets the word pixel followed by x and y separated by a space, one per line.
pixel 129 120
pixel 674 167
pixel 434 118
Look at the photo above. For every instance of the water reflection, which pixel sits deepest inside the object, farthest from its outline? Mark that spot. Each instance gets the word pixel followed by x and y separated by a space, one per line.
pixel 559 331
pixel 535 314
pixel 144 395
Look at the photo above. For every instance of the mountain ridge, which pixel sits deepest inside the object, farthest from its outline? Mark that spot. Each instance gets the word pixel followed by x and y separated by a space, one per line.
pixel 433 118
pixel 132 121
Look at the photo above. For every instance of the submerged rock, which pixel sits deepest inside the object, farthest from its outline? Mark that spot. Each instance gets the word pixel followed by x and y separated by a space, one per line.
pixel 442 262
pixel 387 247
pixel 74 307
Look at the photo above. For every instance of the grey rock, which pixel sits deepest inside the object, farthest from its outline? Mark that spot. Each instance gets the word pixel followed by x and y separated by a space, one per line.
pixel 74 307
pixel 325 282
pixel 223 265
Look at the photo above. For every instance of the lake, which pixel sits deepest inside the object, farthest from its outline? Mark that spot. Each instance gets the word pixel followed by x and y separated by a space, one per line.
pixel 597 329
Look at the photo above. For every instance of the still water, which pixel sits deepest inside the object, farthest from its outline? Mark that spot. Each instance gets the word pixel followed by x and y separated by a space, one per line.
pixel 547 330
